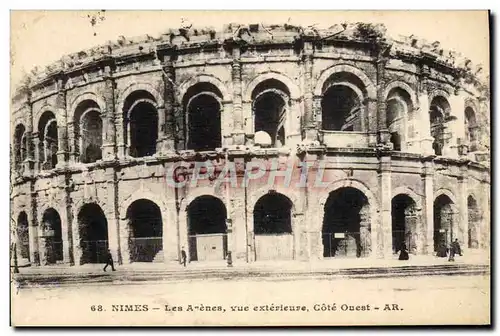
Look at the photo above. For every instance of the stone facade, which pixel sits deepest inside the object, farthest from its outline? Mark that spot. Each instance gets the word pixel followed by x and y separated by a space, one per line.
pixel 96 135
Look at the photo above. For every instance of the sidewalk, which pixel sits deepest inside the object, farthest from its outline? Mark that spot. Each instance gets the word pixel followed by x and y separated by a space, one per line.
pixel 471 263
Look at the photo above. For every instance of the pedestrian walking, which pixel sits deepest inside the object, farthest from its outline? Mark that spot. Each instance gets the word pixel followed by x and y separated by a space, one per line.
pixel 183 257
pixel 109 261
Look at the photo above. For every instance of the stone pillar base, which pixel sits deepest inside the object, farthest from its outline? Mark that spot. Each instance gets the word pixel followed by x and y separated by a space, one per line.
pixel 311 135
pixel 426 146
pixel 108 152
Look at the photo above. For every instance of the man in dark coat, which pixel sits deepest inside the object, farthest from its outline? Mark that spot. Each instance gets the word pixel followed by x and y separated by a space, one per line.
pixel 109 261
pixel 403 255
pixel 456 247
pixel 183 257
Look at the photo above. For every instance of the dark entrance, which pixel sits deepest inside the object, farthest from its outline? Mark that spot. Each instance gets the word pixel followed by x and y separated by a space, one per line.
pixel 273 227
pixel 403 223
pixel 346 231
pixel 23 235
pixel 204 121
pixel 207 229
pixel 52 236
pixel 474 219
pixel 443 223
pixel 93 229
pixel 146 231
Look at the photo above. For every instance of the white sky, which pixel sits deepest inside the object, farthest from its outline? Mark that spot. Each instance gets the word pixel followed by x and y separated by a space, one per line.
pixel 41 37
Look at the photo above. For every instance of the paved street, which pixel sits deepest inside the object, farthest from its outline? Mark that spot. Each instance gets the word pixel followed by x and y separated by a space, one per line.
pixel 415 300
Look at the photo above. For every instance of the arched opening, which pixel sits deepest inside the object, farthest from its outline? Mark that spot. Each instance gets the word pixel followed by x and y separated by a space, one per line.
pixel 88 132
pixel 346 227
pixel 93 230
pixel 473 221
pixel 272 220
pixel 52 236
pixel 48 147
pixel 202 105
pixel 141 123
pixel 146 231
pixel 443 224
pixel 271 100
pixel 207 229
pixel 23 238
pixel 398 112
pixel 20 146
pixel 342 103
pixel 439 112
pixel 471 128
pixel 404 223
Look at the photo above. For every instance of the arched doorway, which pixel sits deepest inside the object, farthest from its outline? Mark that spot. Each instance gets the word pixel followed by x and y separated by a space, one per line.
pixel 439 114
pixel 146 231
pixel 23 239
pixel 51 236
pixel 346 228
pixel 93 231
pixel 141 123
pixel 88 132
pixel 473 221
pixel 48 140
pixel 444 228
pixel 272 220
pixel 270 102
pixel 202 108
pixel 404 223
pixel 207 228
pixel 471 129
pixel 398 112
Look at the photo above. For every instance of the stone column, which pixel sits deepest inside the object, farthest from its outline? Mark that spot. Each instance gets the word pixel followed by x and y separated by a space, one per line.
pixel 238 205
pixel 456 126
pixel 382 131
pixel 385 206
pixel 33 229
pixel 124 239
pixel 238 133
pixel 180 127
pixel 294 136
pixel 108 117
pixel 463 215
pixel 424 129
pixel 428 205
pixel 65 217
pixel 167 139
pixel 372 120
pixel 62 132
pixel 36 145
pixel 364 232
pixel 309 124
pixel 111 212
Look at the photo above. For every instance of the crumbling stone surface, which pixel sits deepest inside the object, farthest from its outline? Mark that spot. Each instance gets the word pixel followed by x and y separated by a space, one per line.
pixel 233 66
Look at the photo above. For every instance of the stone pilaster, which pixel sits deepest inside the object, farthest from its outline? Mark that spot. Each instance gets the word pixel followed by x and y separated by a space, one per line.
pixel 238 133
pixel 428 205
pixel 310 123
pixel 167 124
pixel 108 117
pixel 33 228
pixel 385 246
pixel 382 131
pixel 372 121
pixel 62 131
pixel 456 126
pixel 463 213
pixel 424 128
pixel 111 212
